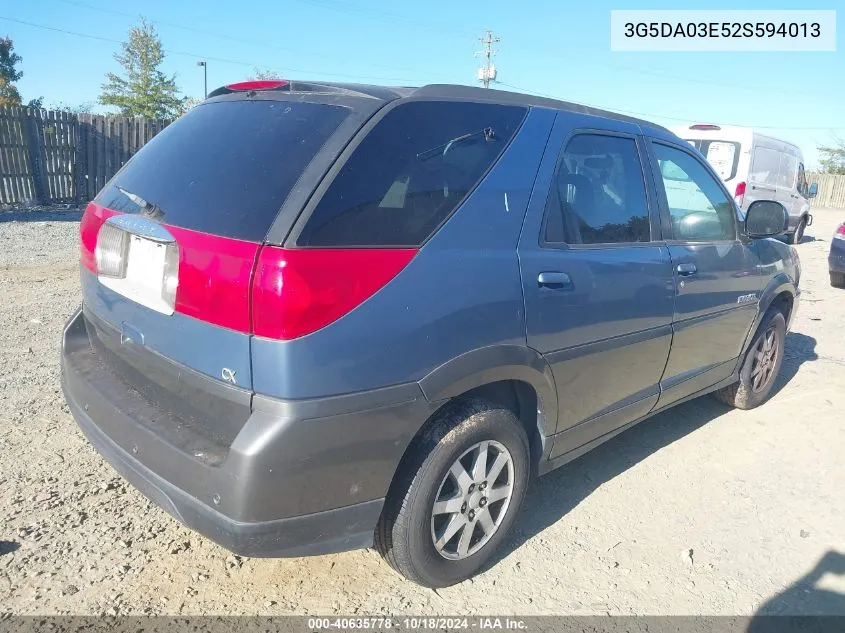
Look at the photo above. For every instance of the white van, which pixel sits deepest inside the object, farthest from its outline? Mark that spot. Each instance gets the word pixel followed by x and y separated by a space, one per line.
pixel 757 167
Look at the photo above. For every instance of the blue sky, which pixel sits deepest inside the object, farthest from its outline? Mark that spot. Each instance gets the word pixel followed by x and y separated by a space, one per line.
pixel 559 48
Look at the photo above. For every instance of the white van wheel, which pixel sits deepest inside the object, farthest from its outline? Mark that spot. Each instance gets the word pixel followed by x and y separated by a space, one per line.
pixel 798 234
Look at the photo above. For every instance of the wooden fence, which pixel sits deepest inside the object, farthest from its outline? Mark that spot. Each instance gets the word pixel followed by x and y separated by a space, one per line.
pixel 831 191
pixel 54 156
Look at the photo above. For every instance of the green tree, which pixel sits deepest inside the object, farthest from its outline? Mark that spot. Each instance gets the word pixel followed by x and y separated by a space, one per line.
pixel 86 107
pixel 144 90
pixel 264 74
pixel 9 95
pixel 832 159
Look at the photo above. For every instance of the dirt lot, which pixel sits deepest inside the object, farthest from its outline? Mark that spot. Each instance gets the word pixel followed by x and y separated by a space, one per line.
pixel 701 510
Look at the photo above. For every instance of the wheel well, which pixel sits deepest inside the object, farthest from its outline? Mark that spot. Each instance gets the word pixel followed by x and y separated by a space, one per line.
pixel 783 303
pixel 515 395
pixel 521 398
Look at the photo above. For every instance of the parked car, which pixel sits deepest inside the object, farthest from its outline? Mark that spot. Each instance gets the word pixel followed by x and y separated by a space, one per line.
pixel 755 166
pixel 836 259
pixel 319 317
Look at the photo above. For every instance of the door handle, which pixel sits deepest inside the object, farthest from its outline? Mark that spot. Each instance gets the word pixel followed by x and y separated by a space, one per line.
pixel 685 270
pixel 554 280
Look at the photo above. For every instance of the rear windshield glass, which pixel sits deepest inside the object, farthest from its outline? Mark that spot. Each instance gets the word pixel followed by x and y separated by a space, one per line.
pixel 723 156
pixel 410 172
pixel 224 168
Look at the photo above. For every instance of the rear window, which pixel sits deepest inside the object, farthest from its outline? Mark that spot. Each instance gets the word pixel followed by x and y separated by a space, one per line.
pixel 410 173
pixel 723 156
pixel 224 168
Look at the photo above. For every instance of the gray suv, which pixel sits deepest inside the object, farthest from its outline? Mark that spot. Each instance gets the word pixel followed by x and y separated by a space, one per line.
pixel 318 317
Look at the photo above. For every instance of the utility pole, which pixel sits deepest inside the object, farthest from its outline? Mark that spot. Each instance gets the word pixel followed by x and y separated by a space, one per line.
pixel 487 72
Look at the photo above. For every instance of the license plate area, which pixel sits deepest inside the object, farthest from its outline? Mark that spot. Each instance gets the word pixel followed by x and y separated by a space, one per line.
pixel 146 271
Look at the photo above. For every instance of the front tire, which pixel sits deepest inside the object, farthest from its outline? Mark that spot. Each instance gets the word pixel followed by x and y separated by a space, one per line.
pixel 456 496
pixel 798 235
pixel 761 365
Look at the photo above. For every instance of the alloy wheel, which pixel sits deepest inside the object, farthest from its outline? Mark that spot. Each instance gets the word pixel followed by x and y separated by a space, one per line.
pixel 765 357
pixel 472 500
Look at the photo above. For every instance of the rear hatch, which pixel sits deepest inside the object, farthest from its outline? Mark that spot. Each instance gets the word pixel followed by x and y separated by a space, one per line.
pixel 169 246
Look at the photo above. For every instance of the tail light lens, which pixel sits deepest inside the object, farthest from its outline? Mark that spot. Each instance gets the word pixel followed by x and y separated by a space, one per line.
pixel 89 229
pixel 111 251
pixel 298 291
pixel 739 194
pixel 840 232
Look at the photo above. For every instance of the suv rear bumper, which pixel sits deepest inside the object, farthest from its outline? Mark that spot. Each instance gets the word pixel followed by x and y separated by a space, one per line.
pixel 300 478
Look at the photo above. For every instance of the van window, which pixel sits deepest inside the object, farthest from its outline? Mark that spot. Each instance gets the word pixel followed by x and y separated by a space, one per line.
pixel 723 156
pixel 698 207
pixel 598 195
pixel 802 180
pixel 225 168
pixel 410 172
pixel 788 171
pixel 765 164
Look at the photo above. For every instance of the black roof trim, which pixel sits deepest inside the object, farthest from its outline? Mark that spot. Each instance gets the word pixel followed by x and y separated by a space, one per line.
pixel 507 97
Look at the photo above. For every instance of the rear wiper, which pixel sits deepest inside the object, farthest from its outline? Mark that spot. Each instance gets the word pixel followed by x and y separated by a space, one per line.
pixel 488 133
pixel 150 209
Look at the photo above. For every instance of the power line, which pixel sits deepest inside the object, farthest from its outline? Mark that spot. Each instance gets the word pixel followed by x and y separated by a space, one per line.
pixel 202 56
pixel 652 73
pixel 226 36
pixel 674 118
pixel 384 16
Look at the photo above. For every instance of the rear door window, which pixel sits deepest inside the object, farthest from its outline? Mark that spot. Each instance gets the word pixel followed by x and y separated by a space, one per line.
pixel 409 173
pixel 598 194
pixel 224 168
pixel 723 156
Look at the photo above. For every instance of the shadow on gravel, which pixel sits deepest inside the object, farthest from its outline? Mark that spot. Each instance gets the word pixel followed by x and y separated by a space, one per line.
pixel 7 547
pixel 800 348
pixel 821 592
pixel 551 497
pixel 70 215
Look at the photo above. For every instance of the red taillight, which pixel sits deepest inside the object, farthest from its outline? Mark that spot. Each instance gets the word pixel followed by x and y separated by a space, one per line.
pixel 840 232
pixel 89 228
pixel 739 193
pixel 298 291
pixel 268 84
pixel 704 126
pixel 214 278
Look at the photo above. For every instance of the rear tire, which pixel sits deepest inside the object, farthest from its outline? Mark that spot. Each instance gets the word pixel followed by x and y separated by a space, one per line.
pixel 761 365
pixel 837 280
pixel 413 535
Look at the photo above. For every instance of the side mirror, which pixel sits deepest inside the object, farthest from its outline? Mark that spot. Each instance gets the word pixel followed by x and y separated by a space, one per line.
pixel 813 191
pixel 766 218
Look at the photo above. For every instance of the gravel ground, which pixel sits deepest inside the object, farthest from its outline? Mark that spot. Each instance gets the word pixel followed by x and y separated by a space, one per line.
pixel 701 510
